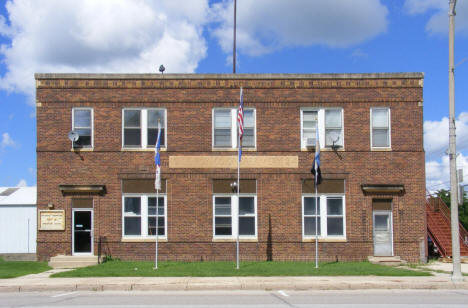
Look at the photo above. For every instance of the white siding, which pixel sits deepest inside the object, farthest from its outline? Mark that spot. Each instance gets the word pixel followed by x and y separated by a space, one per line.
pixel 18 225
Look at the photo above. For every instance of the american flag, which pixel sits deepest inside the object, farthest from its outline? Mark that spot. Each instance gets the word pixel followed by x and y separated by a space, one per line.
pixel 157 159
pixel 240 121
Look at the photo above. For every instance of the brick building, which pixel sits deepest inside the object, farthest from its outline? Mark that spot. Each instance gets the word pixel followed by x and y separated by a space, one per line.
pixel 101 187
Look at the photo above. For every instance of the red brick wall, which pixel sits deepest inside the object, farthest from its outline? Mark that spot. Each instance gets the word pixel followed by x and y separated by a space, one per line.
pixel 189 197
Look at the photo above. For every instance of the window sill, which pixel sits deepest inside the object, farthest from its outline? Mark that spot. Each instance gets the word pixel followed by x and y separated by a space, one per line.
pixel 232 240
pixel 82 150
pixel 329 149
pixel 143 240
pixel 381 149
pixel 325 240
pixel 141 149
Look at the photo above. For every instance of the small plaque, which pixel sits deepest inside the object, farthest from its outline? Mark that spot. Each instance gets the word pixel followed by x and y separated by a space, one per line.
pixel 52 220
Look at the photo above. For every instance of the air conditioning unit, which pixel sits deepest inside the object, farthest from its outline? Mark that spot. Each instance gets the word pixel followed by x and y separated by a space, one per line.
pixel 310 142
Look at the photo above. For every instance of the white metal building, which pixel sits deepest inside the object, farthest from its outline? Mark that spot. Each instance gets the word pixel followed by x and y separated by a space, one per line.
pixel 18 220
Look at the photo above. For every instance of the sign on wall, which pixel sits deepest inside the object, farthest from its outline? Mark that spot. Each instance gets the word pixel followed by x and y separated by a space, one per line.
pixel 52 220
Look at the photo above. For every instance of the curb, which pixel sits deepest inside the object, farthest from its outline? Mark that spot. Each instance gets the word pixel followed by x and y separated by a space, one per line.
pixel 199 285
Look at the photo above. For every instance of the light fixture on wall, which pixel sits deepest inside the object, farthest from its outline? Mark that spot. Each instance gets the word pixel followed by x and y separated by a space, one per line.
pixel 234 186
pixel 50 206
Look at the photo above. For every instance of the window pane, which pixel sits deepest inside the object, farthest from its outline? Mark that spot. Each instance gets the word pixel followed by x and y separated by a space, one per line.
pixel 246 205
pixel 154 116
pixel 132 226
pixel 309 119
pixel 335 225
pixel 152 226
pixel 249 118
pixel 132 118
pixel 223 226
pixel 153 137
pixel 222 206
pixel 246 225
pixel 222 118
pixel 82 118
pixel 333 135
pixel 309 133
pixel 132 137
pixel 379 117
pixel 334 206
pixel 332 118
pixel 309 116
pixel 309 206
pixel 152 206
pixel 84 138
pixel 380 137
pixel 381 222
pixel 132 205
pixel 248 139
pixel 309 226
pixel 222 137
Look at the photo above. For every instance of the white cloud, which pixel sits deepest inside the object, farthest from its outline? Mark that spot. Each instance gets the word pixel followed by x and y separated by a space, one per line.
pixel 436 135
pixel 438 172
pixel 7 141
pixel 267 25
pixel 438 9
pixel 22 183
pixel 131 36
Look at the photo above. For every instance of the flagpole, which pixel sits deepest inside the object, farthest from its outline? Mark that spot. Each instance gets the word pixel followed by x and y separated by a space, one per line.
pixel 157 228
pixel 316 181
pixel 238 200
pixel 316 221
pixel 157 186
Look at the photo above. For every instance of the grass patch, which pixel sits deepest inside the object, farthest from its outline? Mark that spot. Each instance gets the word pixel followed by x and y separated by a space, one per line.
pixel 12 269
pixel 226 269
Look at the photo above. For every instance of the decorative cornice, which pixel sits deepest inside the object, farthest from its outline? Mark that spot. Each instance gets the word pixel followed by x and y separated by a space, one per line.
pixel 228 81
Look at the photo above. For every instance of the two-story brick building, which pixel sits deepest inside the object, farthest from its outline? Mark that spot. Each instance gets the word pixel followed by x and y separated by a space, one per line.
pixel 371 201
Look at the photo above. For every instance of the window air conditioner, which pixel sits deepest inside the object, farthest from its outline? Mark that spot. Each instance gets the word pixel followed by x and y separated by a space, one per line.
pixel 310 142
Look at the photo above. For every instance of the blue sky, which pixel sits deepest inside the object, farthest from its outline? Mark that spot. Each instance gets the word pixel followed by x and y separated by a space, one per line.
pixel 274 36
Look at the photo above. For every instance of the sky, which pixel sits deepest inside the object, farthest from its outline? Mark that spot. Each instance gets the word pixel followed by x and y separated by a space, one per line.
pixel 195 36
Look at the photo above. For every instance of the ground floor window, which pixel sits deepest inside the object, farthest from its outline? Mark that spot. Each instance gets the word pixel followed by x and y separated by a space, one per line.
pixel 139 215
pixel 328 212
pixel 225 209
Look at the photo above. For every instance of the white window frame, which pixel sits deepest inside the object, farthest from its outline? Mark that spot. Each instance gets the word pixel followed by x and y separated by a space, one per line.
pixel 321 126
pixel 143 216
pixel 323 217
pixel 234 214
pixel 143 128
pixel 389 129
pixel 234 130
pixel 92 126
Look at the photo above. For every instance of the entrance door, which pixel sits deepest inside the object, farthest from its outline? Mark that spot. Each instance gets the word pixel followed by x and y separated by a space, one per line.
pixel 383 233
pixel 82 232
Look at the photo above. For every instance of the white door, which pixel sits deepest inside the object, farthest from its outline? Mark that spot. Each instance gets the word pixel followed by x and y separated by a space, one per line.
pixel 383 233
pixel 82 233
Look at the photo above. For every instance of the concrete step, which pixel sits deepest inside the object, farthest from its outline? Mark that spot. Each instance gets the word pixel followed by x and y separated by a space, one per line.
pixel 388 261
pixel 62 261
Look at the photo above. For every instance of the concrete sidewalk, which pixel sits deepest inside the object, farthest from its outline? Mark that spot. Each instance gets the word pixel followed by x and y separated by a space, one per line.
pixel 41 282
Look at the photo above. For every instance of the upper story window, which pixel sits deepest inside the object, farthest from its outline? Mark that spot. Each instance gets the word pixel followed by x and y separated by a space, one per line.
pixel 380 127
pixel 140 127
pixel 329 122
pixel 82 124
pixel 225 133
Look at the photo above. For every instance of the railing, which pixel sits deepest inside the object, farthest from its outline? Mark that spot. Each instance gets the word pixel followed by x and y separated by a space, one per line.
pixel 433 235
pixel 437 204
